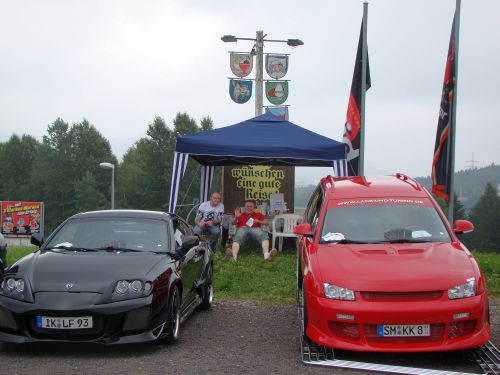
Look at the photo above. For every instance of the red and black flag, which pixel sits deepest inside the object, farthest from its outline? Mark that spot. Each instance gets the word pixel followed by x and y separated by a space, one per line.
pixel 352 127
pixel 442 160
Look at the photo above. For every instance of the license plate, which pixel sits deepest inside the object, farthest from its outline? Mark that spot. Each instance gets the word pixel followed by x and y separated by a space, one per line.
pixel 407 330
pixel 82 322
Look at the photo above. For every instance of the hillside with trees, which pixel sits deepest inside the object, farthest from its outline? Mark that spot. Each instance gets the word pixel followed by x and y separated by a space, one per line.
pixel 63 170
pixel 470 183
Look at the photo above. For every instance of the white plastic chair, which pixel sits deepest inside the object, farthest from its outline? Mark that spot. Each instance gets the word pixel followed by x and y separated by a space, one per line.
pixel 289 223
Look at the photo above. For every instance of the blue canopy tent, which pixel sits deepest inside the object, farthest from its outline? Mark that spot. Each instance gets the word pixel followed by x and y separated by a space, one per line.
pixel 265 139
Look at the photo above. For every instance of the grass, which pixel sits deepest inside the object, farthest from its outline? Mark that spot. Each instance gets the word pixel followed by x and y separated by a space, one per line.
pixel 16 252
pixel 490 264
pixel 251 278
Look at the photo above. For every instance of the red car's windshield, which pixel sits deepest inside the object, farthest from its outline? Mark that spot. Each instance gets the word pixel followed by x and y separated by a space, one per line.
pixel 382 221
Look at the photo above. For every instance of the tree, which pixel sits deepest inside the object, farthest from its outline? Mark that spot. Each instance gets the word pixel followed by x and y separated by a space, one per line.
pixel 87 195
pixel 145 174
pixel 18 156
pixel 146 169
pixel 459 212
pixel 206 123
pixel 486 218
pixel 183 124
pixel 69 157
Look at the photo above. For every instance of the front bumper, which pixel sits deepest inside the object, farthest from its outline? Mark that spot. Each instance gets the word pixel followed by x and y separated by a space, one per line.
pixel 113 323
pixel 352 325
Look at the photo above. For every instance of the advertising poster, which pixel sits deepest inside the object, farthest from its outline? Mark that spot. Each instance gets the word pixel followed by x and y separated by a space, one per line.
pixel 21 218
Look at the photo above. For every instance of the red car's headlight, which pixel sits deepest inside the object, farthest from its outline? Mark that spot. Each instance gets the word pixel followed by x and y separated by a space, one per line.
pixel 467 289
pixel 338 292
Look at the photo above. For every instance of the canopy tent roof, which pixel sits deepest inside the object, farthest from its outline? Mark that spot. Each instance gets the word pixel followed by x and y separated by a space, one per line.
pixel 265 139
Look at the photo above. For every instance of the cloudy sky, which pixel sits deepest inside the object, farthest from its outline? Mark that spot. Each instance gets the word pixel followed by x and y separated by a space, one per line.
pixel 120 63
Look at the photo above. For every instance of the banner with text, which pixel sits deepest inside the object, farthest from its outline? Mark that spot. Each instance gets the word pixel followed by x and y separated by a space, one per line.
pixel 21 217
pixel 257 182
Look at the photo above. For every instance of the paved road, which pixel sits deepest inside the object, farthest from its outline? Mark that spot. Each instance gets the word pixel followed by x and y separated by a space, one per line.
pixel 233 337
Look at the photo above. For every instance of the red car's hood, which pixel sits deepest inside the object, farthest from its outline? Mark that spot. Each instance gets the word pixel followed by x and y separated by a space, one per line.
pixel 395 267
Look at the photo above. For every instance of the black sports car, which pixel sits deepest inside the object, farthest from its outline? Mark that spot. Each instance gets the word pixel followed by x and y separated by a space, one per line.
pixel 110 277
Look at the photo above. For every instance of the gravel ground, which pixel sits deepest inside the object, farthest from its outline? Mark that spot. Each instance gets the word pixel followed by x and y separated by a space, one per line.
pixel 233 337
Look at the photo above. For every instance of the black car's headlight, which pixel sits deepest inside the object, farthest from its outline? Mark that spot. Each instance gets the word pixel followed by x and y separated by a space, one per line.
pixel 13 287
pixel 128 289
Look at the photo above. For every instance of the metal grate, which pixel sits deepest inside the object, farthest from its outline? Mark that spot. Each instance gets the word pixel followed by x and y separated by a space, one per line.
pixel 488 358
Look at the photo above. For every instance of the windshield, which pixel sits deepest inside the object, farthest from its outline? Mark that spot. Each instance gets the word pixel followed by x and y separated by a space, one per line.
pixel 354 221
pixel 136 234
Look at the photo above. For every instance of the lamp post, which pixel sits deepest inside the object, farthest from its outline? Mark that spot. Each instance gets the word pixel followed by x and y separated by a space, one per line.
pixel 258 50
pixel 112 167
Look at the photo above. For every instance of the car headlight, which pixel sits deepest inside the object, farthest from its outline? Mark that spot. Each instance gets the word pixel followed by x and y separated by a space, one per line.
pixel 12 287
pixel 337 292
pixel 468 289
pixel 125 289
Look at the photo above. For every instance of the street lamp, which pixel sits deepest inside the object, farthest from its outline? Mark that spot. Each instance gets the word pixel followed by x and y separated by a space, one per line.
pixel 112 167
pixel 259 64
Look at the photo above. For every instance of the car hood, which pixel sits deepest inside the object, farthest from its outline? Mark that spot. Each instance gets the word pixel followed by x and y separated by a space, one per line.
pixel 88 272
pixel 394 268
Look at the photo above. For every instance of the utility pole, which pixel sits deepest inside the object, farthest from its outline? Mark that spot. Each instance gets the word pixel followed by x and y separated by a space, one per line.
pixel 259 74
pixel 259 63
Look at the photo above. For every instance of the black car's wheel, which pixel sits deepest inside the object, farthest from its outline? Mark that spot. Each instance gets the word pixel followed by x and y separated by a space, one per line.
pixel 172 324
pixel 208 289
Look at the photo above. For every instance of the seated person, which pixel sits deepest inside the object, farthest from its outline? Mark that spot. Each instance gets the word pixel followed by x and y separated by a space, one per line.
pixel 249 224
pixel 209 217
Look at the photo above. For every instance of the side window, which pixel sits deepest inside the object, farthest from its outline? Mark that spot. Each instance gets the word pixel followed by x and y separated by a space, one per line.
pixel 180 230
pixel 314 207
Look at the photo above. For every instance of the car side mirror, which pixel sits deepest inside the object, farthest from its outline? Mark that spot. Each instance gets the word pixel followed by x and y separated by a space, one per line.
pixel 463 226
pixel 188 242
pixel 304 229
pixel 37 239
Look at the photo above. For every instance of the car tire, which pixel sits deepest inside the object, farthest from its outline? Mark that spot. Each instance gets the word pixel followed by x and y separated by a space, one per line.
pixel 208 289
pixel 173 321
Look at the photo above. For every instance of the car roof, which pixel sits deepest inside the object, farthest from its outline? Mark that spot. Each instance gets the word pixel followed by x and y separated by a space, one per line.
pixel 124 213
pixel 398 185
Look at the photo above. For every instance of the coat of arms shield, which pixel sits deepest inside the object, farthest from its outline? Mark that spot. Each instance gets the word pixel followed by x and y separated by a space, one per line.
pixel 241 64
pixel 277 91
pixel 281 112
pixel 240 90
pixel 277 65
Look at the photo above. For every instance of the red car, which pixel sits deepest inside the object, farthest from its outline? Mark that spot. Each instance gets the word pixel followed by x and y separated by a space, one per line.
pixel 380 269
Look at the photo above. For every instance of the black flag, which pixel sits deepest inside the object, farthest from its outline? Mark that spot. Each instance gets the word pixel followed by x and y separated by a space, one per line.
pixel 352 127
pixel 441 162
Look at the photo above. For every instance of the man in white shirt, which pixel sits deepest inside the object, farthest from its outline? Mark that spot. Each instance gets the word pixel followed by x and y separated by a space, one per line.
pixel 209 217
